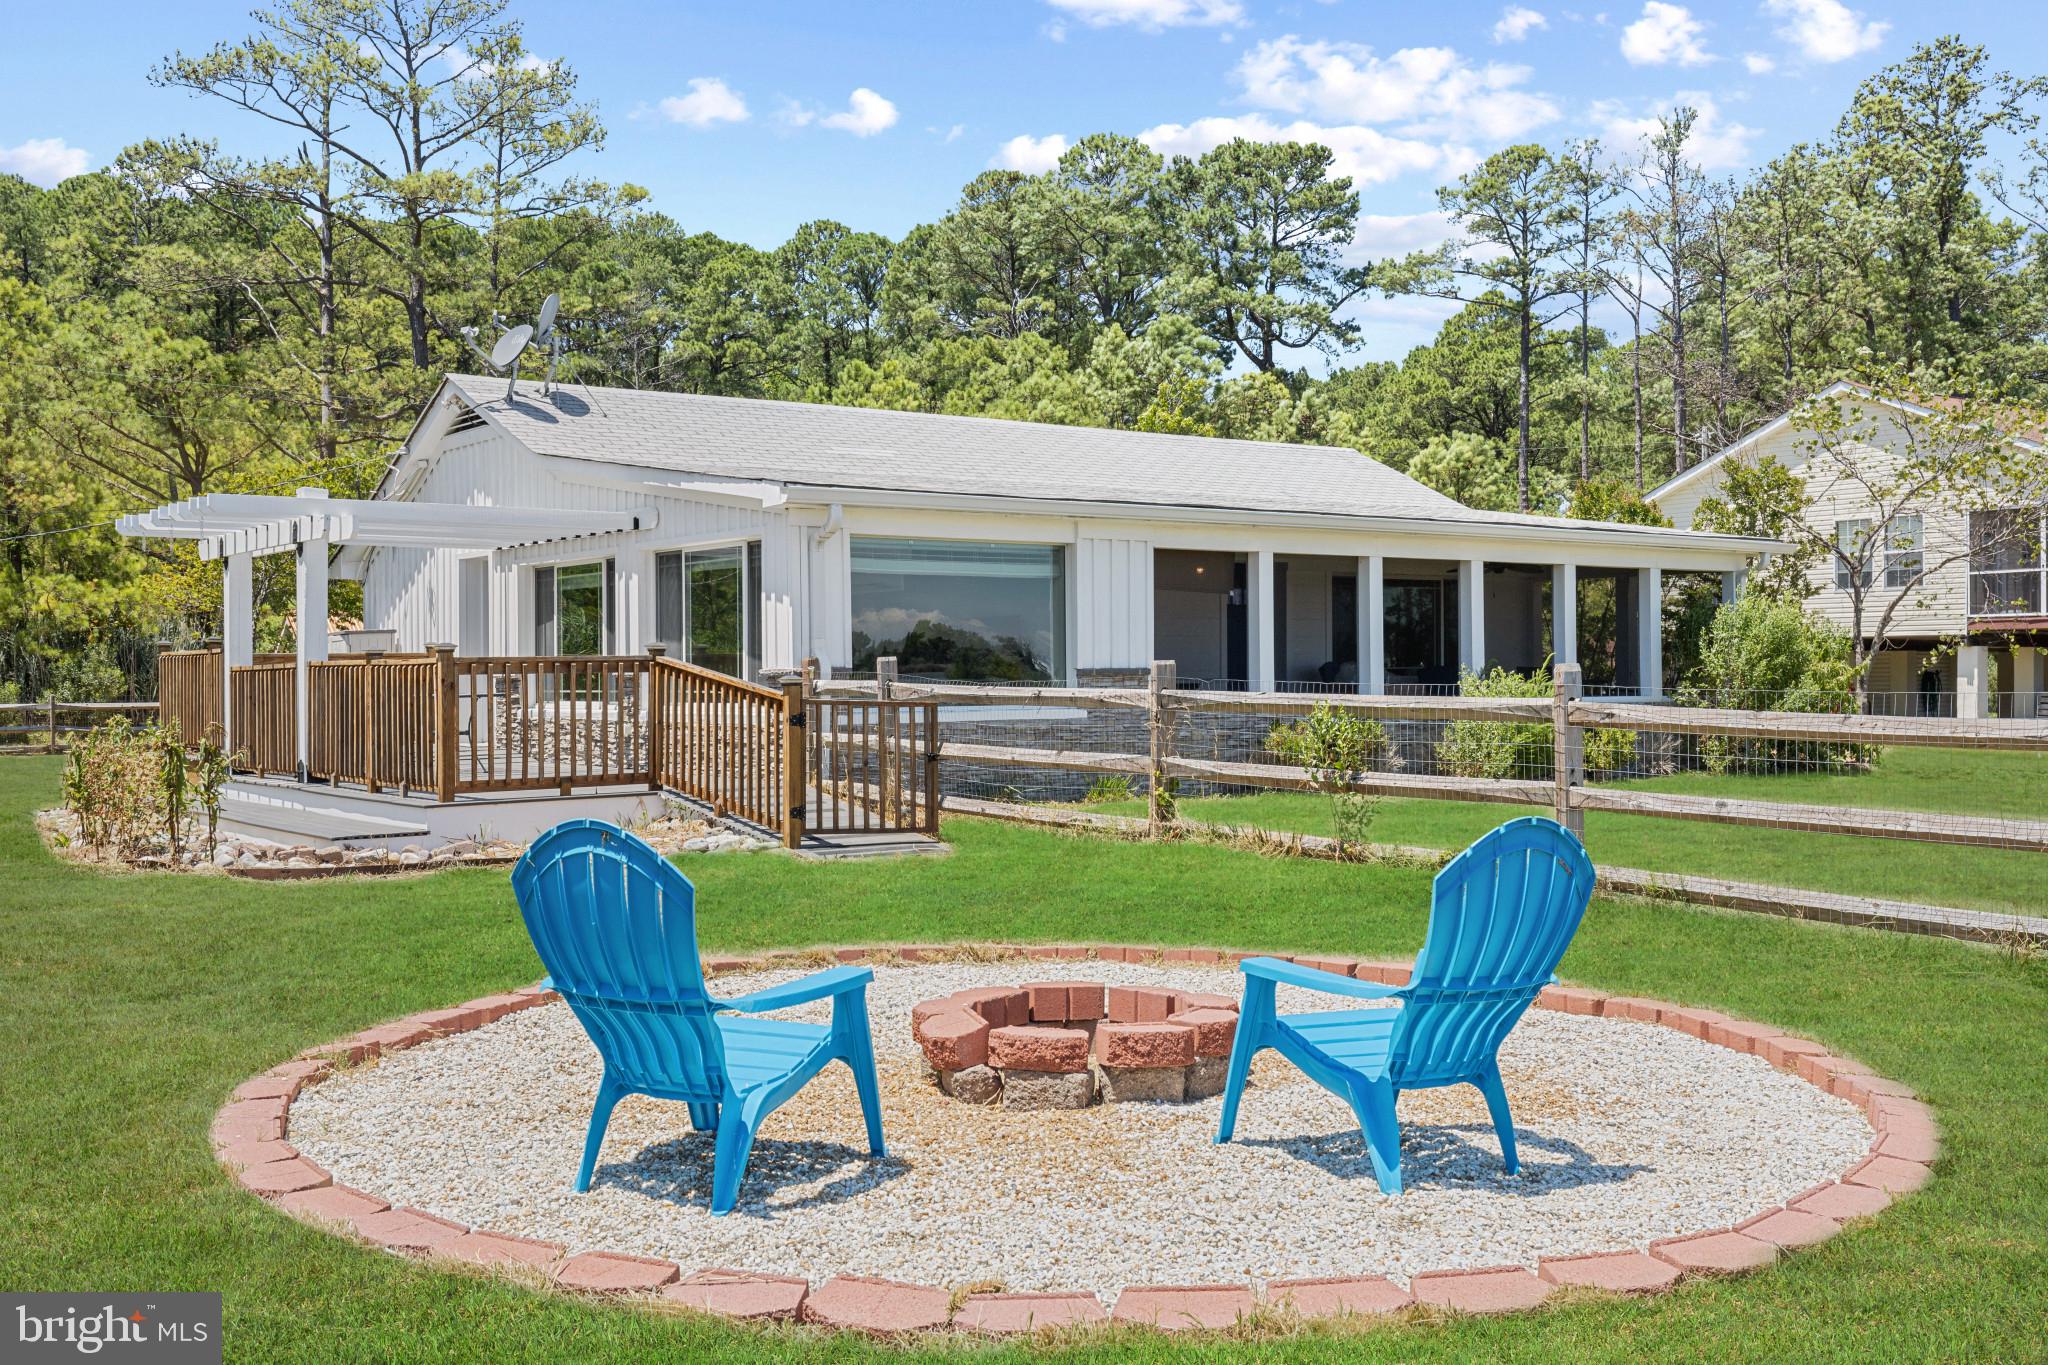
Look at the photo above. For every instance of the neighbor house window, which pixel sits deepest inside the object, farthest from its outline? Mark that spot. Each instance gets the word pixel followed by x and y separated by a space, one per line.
pixel 960 609
pixel 705 607
pixel 1903 551
pixel 572 608
pixel 1849 566
pixel 2006 572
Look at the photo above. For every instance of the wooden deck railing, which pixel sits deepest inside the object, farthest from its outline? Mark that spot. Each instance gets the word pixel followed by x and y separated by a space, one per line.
pixel 532 723
pixel 720 740
pixel 435 723
pixel 265 717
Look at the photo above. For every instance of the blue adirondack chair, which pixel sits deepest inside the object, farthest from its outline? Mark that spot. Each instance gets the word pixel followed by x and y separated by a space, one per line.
pixel 615 924
pixel 1500 917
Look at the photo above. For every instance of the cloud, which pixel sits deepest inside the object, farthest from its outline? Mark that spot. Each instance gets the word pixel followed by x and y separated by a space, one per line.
pixel 1367 155
pixel 1715 145
pixel 710 101
pixel 866 114
pixel 1430 91
pixel 1031 155
pixel 1381 235
pixel 45 161
pixel 465 65
pixel 1666 33
pixel 953 133
pixel 1517 22
pixel 1759 63
pixel 1826 30
pixel 1151 15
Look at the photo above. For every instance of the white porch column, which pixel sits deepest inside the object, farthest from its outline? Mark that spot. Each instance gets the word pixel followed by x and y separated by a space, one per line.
pixel 1650 631
pixel 1372 624
pixel 1732 581
pixel 1472 615
pixel 1259 661
pixel 2029 680
pixel 1564 614
pixel 237 634
pixel 1976 682
pixel 311 608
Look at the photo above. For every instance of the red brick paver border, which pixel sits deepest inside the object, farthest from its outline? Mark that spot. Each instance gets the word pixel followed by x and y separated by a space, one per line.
pixel 1617 1272
pixel 1180 1308
pixel 862 1303
pixel 1009 1314
pixel 741 1294
pixel 611 1272
pixel 1494 1289
pixel 1333 1297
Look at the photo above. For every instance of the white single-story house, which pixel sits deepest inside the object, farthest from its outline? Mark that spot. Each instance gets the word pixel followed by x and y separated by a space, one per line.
pixel 748 535
pixel 1970 632
pixel 768 532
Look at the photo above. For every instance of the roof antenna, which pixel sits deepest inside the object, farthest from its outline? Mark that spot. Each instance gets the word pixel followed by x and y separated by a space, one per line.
pixel 544 334
pixel 505 356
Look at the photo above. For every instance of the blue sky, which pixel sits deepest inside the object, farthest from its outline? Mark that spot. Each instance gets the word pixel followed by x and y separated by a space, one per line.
pixel 747 119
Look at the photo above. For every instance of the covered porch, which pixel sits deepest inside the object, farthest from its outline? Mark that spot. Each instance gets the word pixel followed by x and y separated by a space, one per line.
pixel 1264 620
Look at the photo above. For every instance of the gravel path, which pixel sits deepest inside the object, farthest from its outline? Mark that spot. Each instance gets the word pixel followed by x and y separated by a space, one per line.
pixel 1628 1132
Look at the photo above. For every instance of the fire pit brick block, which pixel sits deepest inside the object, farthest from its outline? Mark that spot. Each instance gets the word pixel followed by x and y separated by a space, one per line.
pixel 1207 1076
pixel 1142 1084
pixel 1214 1030
pixel 1202 1000
pixel 1139 1005
pixel 956 1040
pixel 1085 1001
pixel 975 1085
pixel 1145 1045
pixel 1034 1090
pixel 1037 1049
pixel 998 1005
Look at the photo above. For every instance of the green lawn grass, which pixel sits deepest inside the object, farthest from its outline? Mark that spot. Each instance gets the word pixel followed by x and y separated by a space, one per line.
pixel 131 1004
pixel 2011 785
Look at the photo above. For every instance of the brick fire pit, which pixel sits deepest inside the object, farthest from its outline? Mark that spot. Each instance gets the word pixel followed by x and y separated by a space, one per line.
pixel 1064 1044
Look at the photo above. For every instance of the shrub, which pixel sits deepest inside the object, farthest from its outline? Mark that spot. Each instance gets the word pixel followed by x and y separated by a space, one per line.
pixel 114 785
pixel 1498 748
pixel 1768 654
pixel 1333 747
pixel 1610 751
pixel 1109 787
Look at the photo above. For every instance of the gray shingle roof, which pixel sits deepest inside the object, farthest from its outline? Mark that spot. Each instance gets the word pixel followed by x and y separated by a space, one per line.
pixel 868 448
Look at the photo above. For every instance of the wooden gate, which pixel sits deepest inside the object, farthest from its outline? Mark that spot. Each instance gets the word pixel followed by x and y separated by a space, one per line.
pixel 873 766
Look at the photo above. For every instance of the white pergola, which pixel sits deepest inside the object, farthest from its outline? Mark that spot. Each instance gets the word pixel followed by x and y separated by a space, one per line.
pixel 234 528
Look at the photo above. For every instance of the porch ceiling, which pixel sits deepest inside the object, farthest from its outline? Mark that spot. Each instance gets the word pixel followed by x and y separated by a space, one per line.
pixel 244 523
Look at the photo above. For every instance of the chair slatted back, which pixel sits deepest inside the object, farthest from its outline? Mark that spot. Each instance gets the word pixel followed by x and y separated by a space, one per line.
pixel 615 924
pixel 1501 916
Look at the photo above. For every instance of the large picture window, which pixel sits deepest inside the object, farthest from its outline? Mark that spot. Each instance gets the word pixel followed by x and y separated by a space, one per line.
pixel 572 608
pixel 704 607
pixel 960 609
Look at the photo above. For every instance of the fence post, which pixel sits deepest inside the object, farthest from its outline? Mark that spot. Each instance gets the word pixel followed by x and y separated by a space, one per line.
pixel 1158 727
pixel 446 739
pixel 793 760
pixel 886 766
pixel 656 730
pixel 52 700
pixel 1568 747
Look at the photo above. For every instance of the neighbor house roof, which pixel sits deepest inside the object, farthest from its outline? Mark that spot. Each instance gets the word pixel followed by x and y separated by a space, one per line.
pixel 2029 438
pixel 814 448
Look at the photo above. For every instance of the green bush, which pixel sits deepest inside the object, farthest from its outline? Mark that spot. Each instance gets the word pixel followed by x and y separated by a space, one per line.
pixel 1333 747
pixel 1768 654
pixel 1109 787
pixel 114 784
pixel 1498 748
pixel 1610 751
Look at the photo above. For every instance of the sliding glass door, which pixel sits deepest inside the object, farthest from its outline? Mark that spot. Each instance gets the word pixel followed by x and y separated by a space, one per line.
pixel 572 608
pixel 704 607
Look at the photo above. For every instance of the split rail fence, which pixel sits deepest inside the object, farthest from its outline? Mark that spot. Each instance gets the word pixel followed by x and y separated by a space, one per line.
pixel 1099 723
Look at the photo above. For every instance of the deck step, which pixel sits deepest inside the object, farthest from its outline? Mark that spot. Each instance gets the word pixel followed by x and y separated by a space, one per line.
pixel 290 823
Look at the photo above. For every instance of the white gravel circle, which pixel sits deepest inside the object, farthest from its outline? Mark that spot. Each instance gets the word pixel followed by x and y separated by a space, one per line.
pixel 1628 1132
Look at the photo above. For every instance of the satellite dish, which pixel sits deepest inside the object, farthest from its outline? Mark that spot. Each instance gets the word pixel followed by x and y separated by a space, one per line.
pixel 510 345
pixel 545 328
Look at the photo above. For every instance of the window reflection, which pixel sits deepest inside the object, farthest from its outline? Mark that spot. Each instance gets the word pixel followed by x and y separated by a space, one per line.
pixel 959 609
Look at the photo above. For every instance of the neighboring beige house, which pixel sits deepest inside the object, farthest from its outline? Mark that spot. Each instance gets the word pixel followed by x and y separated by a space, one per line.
pixel 1970 637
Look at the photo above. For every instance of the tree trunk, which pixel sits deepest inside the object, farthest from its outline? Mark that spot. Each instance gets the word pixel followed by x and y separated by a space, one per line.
pixel 1522 412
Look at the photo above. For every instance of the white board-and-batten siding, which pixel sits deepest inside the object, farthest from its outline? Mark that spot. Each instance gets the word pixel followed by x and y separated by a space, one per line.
pixel 417 593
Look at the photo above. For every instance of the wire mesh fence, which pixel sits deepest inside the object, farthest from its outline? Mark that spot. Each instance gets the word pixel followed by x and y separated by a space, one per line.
pixel 1740 758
